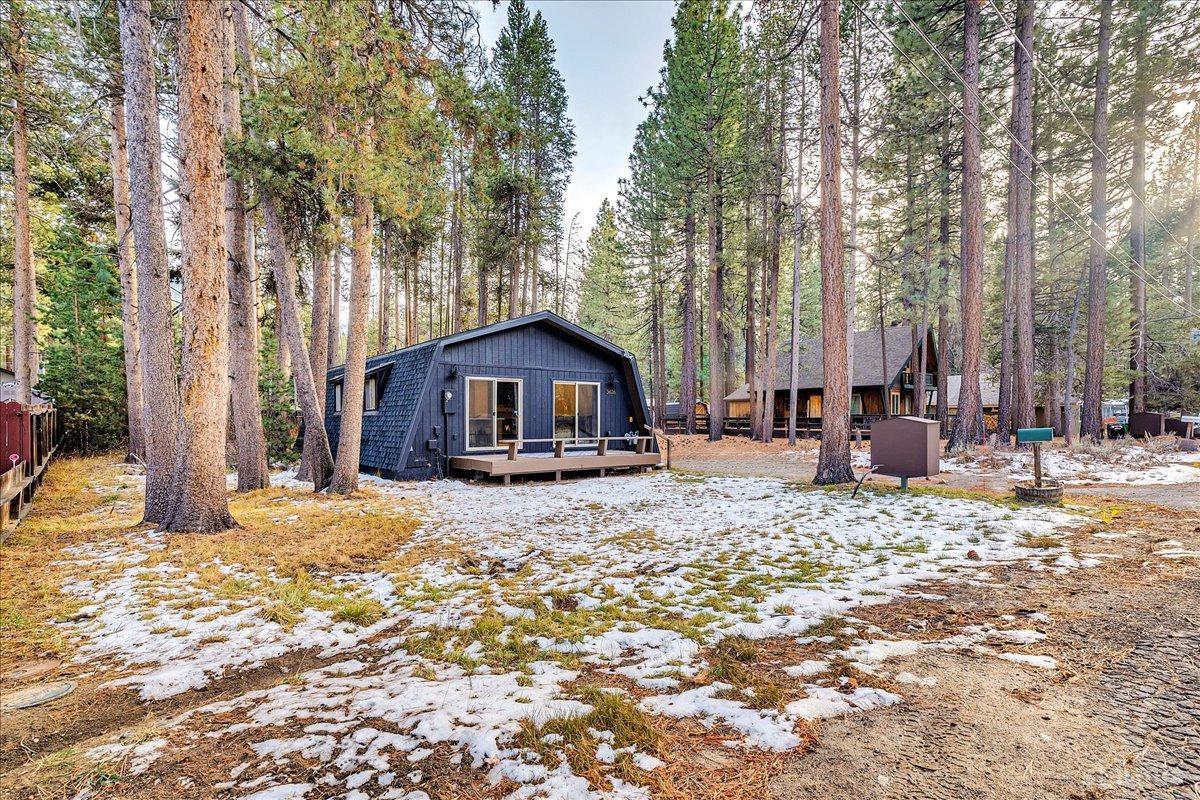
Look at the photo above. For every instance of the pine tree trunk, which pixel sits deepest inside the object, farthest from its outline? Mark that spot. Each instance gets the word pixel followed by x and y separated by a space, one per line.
pixel 687 379
pixel 855 159
pixel 243 284
pixel 1008 311
pixel 967 430
pixel 752 382
pixel 200 503
pixel 1091 424
pixel 775 149
pixel 24 278
pixel 1023 416
pixel 716 343
pixel 160 388
pixel 1053 394
pixel 130 332
pixel 345 471
pixel 833 463
pixel 1069 420
pixel 385 290
pixel 335 299
pixel 318 351
pixel 291 339
pixel 942 411
pixel 797 261
pixel 1137 226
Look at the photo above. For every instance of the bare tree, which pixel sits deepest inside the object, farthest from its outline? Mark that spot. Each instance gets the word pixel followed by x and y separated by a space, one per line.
pixel 119 163
pixel 345 471
pixel 160 388
pixel 200 503
pixel 833 464
pixel 967 430
pixel 24 279
pixel 243 283
pixel 1090 424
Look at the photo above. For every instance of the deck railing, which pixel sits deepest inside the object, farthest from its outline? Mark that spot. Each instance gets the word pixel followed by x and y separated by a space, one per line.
pixel 560 445
pixel 29 436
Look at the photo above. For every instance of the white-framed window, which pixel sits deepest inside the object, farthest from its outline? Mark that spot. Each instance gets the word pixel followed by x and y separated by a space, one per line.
pixel 577 411
pixel 895 402
pixel 856 405
pixel 494 412
pixel 370 394
pixel 337 397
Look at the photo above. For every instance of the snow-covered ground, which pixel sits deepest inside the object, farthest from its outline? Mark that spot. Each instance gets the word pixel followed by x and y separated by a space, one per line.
pixel 1118 463
pixel 505 596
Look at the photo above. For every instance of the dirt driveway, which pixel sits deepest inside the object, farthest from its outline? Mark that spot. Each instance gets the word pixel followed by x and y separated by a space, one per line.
pixel 1119 717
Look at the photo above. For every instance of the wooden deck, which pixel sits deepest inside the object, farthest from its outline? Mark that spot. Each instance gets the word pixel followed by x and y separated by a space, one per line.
pixel 501 466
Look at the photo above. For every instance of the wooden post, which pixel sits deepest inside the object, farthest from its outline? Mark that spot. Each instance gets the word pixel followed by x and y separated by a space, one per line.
pixel 640 447
pixel 602 447
pixel 512 450
pixel 559 447
pixel 1037 464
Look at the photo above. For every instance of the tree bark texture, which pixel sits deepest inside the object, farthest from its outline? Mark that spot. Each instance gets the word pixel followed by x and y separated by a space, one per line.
pixel 160 388
pixel 345 471
pixel 200 503
pixel 24 279
pixel 130 333
pixel 967 430
pixel 247 415
pixel 1091 425
pixel 291 335
pixel 1023 416
pixel 1137 227
pixel 687 375
pixel 833 463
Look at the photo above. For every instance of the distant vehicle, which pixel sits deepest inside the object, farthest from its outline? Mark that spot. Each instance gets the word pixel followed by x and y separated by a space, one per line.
pixel 1115 411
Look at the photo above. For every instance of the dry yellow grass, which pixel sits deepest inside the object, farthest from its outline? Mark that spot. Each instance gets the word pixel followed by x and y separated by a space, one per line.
pixel 287 530
pixel 80 501
pixel 285 533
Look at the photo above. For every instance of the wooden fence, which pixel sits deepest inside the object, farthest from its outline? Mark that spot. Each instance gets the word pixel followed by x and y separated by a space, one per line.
pixel 806 427
pixel 29 436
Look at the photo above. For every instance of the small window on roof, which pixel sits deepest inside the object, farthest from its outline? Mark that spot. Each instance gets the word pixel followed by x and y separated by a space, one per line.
pixel 370 396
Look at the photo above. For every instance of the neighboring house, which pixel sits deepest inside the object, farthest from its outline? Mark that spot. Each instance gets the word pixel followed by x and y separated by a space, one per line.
pixel 536 380
pixel 872 386
pixel 8 389
pixel 989 394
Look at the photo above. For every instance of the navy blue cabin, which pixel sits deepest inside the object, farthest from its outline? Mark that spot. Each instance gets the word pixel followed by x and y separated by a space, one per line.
pixel 538 388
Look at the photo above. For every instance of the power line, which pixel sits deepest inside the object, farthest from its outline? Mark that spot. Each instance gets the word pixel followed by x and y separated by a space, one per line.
pixel 1132 270
pixel 1054 87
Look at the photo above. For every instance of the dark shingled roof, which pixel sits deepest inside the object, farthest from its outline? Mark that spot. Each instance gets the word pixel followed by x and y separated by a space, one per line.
pixel 403 373
pixel 868 360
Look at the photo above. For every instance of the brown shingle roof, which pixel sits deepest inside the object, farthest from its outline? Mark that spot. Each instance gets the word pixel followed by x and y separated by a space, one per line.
pixel 868 360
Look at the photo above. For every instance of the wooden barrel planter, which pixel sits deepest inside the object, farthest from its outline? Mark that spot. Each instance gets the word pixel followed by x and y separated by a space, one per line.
pixel 1049 492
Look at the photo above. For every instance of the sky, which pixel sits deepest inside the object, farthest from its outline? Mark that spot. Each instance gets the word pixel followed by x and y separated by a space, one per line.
pixel 609 54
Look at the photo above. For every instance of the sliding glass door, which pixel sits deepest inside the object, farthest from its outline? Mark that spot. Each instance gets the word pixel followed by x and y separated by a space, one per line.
pixel 493 412
pixel 576 411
